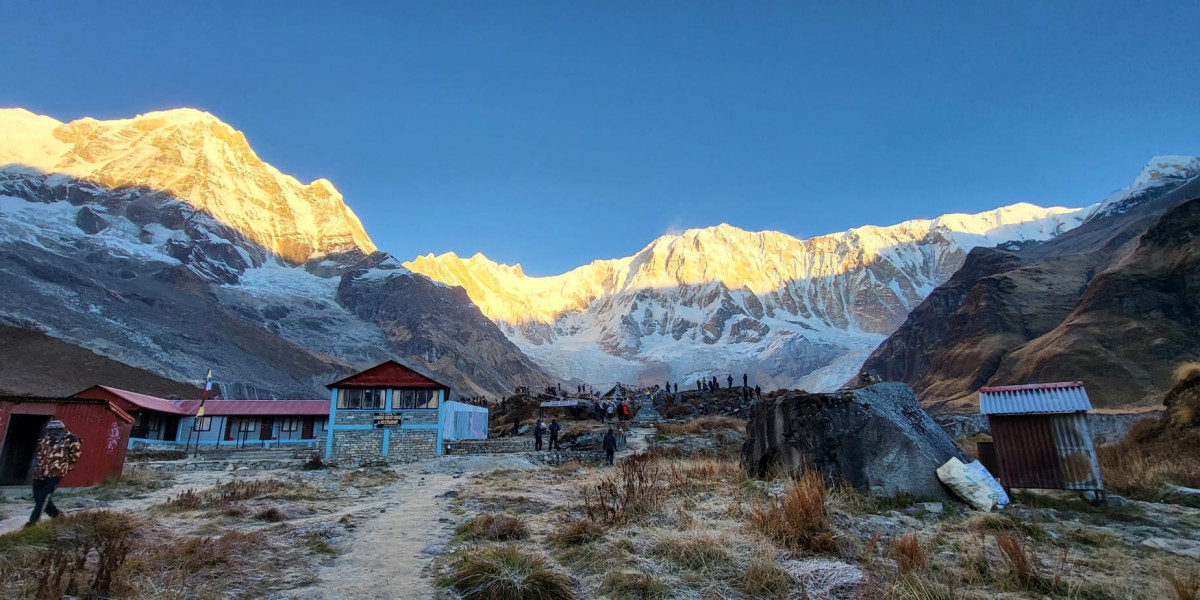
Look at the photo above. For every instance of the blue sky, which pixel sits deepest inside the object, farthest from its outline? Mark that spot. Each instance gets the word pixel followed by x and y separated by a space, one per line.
pixel 555 133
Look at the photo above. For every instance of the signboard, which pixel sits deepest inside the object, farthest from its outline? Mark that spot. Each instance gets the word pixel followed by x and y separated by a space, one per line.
pixel 561 403
pixel 383 420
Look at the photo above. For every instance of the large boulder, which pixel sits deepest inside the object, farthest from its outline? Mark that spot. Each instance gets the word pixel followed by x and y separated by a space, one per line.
pixel 878 439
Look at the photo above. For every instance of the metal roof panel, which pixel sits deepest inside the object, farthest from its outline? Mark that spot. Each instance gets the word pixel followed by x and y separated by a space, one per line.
pixel 1067 396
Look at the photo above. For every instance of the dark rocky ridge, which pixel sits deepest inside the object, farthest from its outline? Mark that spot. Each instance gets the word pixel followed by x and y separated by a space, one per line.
pixel 1112 302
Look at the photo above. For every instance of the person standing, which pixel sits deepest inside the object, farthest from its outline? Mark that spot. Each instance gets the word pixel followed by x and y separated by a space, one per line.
pixel 516 425
pixel 745 381
pixel 676 387
pixel 538 430
pixel 610 446
pixel 57 453
pixel 554 435
pixel 758 392
pixel 729 381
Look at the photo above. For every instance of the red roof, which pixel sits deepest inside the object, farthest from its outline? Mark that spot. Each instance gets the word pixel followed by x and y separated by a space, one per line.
pixel 131 400
pixel 388 374
pixel 251 408
pixel 188 408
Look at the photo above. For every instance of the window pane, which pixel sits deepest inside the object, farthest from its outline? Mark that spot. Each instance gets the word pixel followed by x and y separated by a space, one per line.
pixel 402 399
pixel 377 399
pixel 354 401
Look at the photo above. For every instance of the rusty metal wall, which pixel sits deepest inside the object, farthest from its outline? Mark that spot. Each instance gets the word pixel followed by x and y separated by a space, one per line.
pixel 1046 451
pixel 105 435
pixel 986 453
pixel 105 439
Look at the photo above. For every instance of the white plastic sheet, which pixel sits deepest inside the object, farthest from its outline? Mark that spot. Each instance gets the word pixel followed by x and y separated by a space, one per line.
pixel 973 483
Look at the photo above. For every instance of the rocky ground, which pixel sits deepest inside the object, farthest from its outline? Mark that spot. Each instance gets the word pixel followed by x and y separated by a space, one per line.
pixel 677 518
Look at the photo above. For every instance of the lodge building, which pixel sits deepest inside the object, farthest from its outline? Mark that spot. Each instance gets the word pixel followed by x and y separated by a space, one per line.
pixel 388 413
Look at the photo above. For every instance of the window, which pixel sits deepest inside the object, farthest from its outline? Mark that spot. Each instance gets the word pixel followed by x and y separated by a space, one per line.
pixel 360 399
pixel 289 425
pixel 202 424
pixel 325 424
pixel 410 399
pixel 247 426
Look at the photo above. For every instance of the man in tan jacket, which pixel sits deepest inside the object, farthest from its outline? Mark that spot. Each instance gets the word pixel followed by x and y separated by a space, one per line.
pixel 57 453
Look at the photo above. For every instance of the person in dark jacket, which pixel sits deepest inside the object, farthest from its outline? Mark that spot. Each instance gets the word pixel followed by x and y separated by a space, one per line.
pixel 729 380
pixel 554 434
pixel 745 380
pixel 57 453
pixel 758 392
pixel 610 446
pixel 516 425
pixel 538 430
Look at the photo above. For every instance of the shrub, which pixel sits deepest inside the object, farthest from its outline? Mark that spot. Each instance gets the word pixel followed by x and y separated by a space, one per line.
pixel 313 463
pixel 636 487
pixel 1185 587
pixel 75 555
pixel 910 556
pixel 271 514
pixel 919 586
pixel 509 573
pixel 798 519
pixel 224 494
pixel 492 527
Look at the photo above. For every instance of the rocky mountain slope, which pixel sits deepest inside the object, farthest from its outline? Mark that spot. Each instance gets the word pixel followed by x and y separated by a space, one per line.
pixel 790 312
pixel 1113 303
pixel 165 243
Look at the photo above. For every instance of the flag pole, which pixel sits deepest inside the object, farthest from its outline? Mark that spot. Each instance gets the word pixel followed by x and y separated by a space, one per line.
pixel 200 415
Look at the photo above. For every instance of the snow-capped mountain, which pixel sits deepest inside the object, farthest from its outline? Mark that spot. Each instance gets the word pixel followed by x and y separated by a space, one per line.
pixel 191 156
pixel 722 300
pixel 1160 175
pixel 165 243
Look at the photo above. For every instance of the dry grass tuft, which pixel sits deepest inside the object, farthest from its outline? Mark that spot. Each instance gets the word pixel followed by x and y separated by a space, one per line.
pixel 919 586
pixel 637 487
pixel 696 551
pixel 76 555
pixel 623 584
pixel 763 578
pixel 1186 370
pixel 497 528
pixel 578 532
pixel 910 556
pixel 702 424
pixel 798 519
pixel 509 573
pixel 1185 587
pixel 224 494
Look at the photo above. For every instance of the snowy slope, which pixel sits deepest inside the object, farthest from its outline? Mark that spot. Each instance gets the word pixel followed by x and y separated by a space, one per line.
pixel 195 157
pixel 1161 173
pixel 720 299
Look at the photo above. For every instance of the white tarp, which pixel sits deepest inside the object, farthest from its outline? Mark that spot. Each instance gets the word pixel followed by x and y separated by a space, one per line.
pixel 973 483
pixel 462 421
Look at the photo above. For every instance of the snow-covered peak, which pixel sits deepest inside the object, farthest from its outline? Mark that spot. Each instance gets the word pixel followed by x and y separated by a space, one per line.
pixel 1159 172
pixel 196 158
pixel 760 262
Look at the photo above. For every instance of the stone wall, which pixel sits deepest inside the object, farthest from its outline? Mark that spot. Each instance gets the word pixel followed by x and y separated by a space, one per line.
pixel 408 445
pixel 367 417
pixel 354 447
pixel 365 446
pixel 1106 428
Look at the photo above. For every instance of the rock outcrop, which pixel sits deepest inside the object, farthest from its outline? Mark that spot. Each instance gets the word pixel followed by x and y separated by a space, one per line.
pixel 878 439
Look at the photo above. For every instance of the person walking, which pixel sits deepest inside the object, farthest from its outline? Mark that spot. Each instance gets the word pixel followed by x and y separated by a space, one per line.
pixel 610 446
pixel 57 453
pixel 758 392
pixel 538 430
pixel 554 427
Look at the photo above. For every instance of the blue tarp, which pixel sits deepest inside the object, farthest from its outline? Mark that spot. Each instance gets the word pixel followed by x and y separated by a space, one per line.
pixel 464 422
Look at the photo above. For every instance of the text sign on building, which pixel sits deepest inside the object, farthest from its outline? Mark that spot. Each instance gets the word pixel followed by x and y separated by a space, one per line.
pixel 383 420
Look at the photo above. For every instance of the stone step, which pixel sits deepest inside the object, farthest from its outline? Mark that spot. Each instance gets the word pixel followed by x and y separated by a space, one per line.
pixel 222 465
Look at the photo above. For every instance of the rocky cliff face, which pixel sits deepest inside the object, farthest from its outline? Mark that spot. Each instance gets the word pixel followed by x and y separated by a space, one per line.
pixel 1112 303
pixel 175 250
pixel 790 312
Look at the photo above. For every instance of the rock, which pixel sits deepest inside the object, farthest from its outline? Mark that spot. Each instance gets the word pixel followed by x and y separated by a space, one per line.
pixel 1189 548
pixel 878 439
pixel 434 549
pixel 90 221
pixel 936 508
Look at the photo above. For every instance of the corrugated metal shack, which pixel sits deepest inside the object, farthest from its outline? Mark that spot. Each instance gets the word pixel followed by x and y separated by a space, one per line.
pixel 1041 436
pixel 103 427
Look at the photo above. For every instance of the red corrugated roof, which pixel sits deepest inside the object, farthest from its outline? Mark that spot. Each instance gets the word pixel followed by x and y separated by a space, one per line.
pixel 141 401
pixel 253 408
pixel 388 374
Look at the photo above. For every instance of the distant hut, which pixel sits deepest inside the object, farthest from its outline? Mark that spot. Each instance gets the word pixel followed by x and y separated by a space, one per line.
pixel 1041 436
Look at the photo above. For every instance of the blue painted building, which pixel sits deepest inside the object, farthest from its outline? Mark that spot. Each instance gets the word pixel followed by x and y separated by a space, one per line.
pixel 387 413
